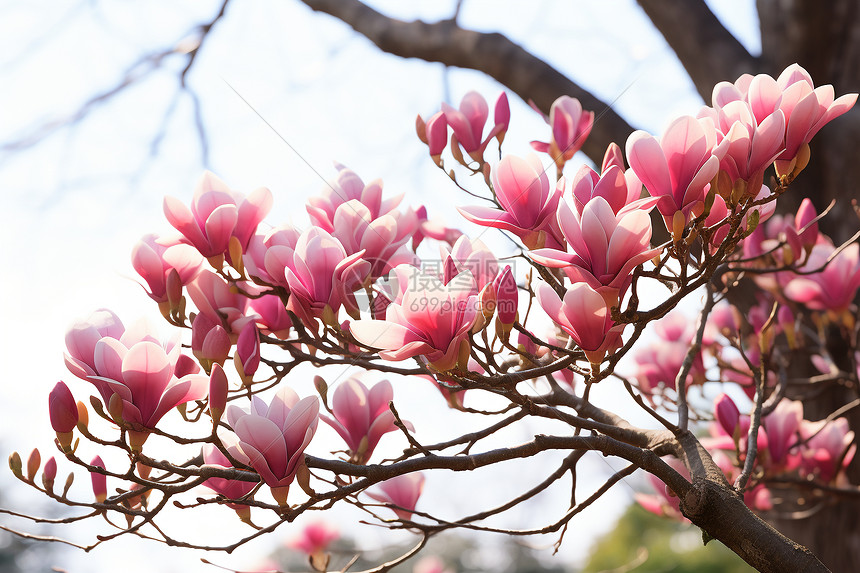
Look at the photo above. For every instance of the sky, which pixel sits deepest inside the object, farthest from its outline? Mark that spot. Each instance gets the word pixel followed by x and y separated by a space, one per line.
pixel 76 201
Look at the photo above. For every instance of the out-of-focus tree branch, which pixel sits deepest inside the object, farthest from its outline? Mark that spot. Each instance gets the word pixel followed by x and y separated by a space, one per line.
pixel 494 54
pixel 707 50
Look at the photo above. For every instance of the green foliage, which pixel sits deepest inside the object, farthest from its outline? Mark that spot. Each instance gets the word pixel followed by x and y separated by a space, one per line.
pixel 660 545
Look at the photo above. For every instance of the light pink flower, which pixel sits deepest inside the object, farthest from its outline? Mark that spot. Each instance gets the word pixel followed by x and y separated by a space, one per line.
pixel 507 296
pixel 259 245
pixel 361 416
pixel 475 257
pixel 82 337
pixel 583 315
pixel 247 356
pixel 319 274
pixel 835 286
pixel 229 488
pixel 142 376
pixel 806 108
pixel 431 320
pixel 468 121
pixel 829 448
pixel 570 128
pixel 528 202
pixel 348 186
pixel 314 538
pixel 402 491
pixel 272 438
pixel 155 258
pixel 678 168
pixel 214 298
pixel 782 426
pixel 436 131
pixel 216 214
pixel 606 246
pixel 749 146
pixel 381 239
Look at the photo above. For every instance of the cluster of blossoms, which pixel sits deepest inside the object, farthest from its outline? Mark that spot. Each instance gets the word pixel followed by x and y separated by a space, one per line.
pixel 352 287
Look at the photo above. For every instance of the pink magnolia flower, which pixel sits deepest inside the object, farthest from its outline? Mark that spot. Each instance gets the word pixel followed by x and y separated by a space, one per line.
pixel 528 202
pixel 828 448
pixel 216 214
pixel 272 438
pixel 806 108
pixel 401 491
pixel 618 188
pixel 664 502
pixel 436 135
pixel 749 146
pixel 271 315
pixel 727 414
pixel 432 229
pixel 570 128
pixel 432 320
pixel 142 376
pixel 834 287
pixel 156 258
pixel 583 315
pixel 314 538
pixel 782 426
pixel 606 246
pixel 361 416
pixel 348 186
pixel 247 356
pixel 381 240
pixel 210 343
pixel 221 304
pixel 475 257
pixel 229 488
pixel 82 337
pixel 678 168
pixel 467 123
pixel 259 245
pixel 319 274
pixel 507 296
pixel 431 564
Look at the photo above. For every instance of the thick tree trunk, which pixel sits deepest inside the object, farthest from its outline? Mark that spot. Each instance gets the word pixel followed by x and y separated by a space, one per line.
pixel 824 37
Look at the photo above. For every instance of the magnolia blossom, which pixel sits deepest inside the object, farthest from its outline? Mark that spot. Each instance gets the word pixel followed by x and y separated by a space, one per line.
pixel 834 286
pixel 220 303
pixel 475 257
pixel 141 375
pixel 259 245
pixel 432 229
pixel 528 200
pixel 606 246
pixel 229 488
pixel 318 273
pixel 402 491
pixel 468 121
pixel 361 416
pixel 658 364
pixel 314 538
pixel 63 411
pixel 217 214
pixel 431 320
pixel 678 168
pixel 583 315
pixel 347 187
pixel 81 341
pixel 570 128
pixel 806 108
pixel 829 448
pixel 165 265
pixel 272 438
pixel 381 240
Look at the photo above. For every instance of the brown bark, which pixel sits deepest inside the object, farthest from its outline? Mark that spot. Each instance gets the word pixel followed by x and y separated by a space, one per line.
pixel 706 49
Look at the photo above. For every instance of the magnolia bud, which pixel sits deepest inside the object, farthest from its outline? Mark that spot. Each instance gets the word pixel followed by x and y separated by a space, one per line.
pixel 64 414
pixel 49 474
pixel 99 481
pixel 34 462
pixel 15 465
pixel 217 393
pixel 727 414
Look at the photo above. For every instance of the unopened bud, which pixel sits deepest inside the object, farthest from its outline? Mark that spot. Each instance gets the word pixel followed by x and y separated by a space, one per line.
pixel 49 474
pixel 34 462
pixel 15 465
pixel 322 388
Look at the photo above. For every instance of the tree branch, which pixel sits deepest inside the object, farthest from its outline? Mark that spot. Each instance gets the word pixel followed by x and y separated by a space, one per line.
pixel 707 50
pixel 492 53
